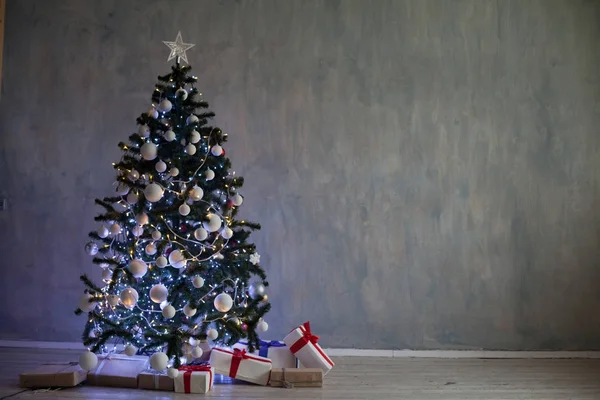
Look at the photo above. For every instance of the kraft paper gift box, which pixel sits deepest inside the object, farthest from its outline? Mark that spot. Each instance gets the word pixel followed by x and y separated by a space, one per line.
pixel 117 371
pixel 194 379
pixel 294 377
pixel 305 347
pixel 152 380
pixel 66 374
pixel 279 354
pixel 238 364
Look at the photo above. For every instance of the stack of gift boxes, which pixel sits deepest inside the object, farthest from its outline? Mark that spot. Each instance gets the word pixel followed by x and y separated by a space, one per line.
pixel 298 361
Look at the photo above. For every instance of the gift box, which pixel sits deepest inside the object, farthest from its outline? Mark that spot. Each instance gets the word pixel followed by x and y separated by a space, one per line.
pixel 279 354
pixel 241 365
pixel 153 380
pixel 194 379
pixel 294 377
pixel 117 371
pixel 66 374
pixel 304 345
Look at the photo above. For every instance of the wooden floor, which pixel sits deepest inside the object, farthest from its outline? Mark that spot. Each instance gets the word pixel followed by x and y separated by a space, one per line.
pixel 359 378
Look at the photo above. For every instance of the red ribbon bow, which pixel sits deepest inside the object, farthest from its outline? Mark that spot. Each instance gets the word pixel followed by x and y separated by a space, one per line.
pixel 187 375
pixel 307 337
pixel 236 358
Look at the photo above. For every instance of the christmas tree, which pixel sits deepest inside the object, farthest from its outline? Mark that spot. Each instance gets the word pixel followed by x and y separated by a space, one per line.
pixel 178 267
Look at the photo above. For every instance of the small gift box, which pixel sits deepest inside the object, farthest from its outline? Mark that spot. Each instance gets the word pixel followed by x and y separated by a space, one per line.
pixel 117 371
pixel 294 377
pixel 66 374
pixel 240 365
pixel 153 380
pixel 194 379
pixel 304 345
pixel 279 354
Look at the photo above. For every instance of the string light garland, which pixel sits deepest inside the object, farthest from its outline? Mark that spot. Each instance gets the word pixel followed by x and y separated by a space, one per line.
pixel 176 261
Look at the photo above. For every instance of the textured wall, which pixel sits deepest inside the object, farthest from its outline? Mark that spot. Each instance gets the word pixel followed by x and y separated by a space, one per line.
pixel 426 171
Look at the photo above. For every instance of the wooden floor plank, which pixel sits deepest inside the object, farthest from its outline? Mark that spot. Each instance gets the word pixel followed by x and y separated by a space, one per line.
pixel 356 378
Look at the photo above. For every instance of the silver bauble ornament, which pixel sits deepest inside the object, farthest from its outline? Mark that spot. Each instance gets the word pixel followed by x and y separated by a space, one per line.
pixel 170 136
pixel 165 105
pixel 103 231
pixel 257 290
pixel 91 248
pixel 181 93
pixel 148 151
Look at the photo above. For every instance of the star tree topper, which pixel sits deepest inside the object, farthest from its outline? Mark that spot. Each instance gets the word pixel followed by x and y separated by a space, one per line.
pixel 178 48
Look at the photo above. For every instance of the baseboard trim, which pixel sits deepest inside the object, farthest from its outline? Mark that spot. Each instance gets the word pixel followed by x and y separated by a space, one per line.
pixel 366 352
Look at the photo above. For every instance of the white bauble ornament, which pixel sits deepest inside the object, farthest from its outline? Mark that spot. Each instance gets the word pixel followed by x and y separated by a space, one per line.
pixel 160 166
pixel 91 248
pixel 142 218
pixel 257 290
pixel 151 249
pixel 88 361
pixel 198 282
pixel 132 198
pixel 172 373
pixel 84 303
pixel 152 113
pixel 237 200
pixel 122 189
pixel 115 229
pixel 161 262
pixel 190 149
pixel 153 192
pixel 212 334
pixel 170 136
pixel 216 150
pixel 197 352
pixel 165 105
pixel 262 326
pixel 223 302
pixel 137 231
pixel 103 232
pixel 156 234
pixel 112 300
pixel 200 234
pixel 213 224
pixel 129 297
pixel 107 274
pixel 148 151
pixel 130 350
pixel 196 193
pixel 159 361
pixel 133 175
pixel 193 342
pixel 189 310
pixel 138 268
pixel 227 233
pixel 159 293
pixel 181 93
pixel 144 131
pixel 168 312
pixel 174 171
pixel 184 209
pixel 194 136
pixel 209 174
pixel 176 259
pixel 192 119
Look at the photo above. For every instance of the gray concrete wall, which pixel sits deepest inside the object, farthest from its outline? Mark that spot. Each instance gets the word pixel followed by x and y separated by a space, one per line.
pixel 426 171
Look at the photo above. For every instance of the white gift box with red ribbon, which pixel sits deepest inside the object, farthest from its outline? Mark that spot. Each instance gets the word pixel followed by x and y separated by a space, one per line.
pixel 276 351
pixel 306 348
pixel 194 379
pixel 239 364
